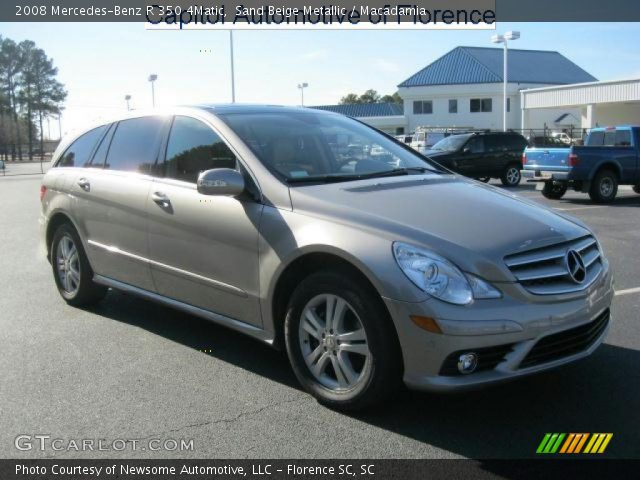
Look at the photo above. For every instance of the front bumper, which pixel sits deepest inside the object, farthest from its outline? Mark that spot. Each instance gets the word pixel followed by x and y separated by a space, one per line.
pixel 493 323
pixel 544 176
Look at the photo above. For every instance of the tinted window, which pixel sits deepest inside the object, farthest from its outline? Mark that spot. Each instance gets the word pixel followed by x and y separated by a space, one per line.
pixel 515 142
pixel 475 145
pixel 495 143
pixel 487 105
pixel 453 106
pixel 79 151
pixel 135 143
pixel 193 148
pixel 595 139
pixel 623 138
pixel 101 152
pixel 609 138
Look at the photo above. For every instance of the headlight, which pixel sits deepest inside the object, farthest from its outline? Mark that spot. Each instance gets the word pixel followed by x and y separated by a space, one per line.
pixel 440 278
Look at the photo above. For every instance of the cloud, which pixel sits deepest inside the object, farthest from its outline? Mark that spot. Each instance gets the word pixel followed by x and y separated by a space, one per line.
pixel 385 65
pixel 314 55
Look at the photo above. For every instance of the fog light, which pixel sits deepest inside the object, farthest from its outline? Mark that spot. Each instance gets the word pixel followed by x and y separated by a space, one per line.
pixel 467 362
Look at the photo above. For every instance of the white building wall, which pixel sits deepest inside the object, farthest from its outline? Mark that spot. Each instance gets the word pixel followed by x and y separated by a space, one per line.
pixel 389 124
pixel 441 94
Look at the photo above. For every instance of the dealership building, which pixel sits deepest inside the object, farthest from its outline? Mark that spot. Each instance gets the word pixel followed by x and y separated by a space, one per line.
pixel 464 89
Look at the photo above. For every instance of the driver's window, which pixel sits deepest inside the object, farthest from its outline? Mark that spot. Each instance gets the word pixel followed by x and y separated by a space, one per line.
pixel 475 145
pixel 193 148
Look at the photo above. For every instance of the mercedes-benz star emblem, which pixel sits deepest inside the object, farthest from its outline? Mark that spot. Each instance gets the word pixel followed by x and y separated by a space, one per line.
pixel 575 266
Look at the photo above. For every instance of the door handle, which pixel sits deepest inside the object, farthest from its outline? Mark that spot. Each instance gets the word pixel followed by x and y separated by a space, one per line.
pixel 161 199
pixel 84 184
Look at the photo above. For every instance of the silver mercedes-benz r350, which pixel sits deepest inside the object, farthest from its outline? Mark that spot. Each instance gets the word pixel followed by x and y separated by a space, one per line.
pixel 310 231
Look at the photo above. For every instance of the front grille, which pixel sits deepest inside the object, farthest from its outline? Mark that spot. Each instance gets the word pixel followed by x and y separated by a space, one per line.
pixel 544 271
pixel 564 344
pixel 488 359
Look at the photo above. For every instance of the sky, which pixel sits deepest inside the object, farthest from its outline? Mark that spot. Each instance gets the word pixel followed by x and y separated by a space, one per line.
pixel 100 63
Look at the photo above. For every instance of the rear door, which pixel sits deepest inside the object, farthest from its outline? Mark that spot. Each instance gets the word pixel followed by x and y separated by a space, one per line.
pixel 113 193
pixel 203 249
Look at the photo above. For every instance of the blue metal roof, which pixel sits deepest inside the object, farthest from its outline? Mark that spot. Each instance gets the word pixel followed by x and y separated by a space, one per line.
pixel 361 110
pixel 466 65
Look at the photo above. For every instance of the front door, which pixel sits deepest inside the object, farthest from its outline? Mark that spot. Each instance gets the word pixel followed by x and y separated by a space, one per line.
pixel 203 249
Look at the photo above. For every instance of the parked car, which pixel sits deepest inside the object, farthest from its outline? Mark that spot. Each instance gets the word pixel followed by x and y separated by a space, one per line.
pixel 367 274
pixel 609 157
pixel 564 138
pixel 404 138
pixel 482 155
pixel 423 140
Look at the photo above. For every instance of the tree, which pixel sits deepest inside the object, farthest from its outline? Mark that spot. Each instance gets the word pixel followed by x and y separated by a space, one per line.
pixel 395 98
pixel 370 96
pixel 41 94
pixel 350 99
pixel 29 90
pixel 10 70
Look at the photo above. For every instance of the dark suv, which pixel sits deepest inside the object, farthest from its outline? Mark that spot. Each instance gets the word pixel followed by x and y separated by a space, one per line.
pixel 482 155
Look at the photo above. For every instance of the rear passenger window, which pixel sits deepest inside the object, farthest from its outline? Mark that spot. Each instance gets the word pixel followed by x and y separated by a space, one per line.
pixel 609 138
pixel 135 144
pixel 101 152
pixel 595 139
pixel 78 153
pixel 475 145
pixel 623 138
pixel 193 148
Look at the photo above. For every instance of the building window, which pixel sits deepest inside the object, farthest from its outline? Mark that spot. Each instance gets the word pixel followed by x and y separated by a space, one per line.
pixel 480 105
pixel 453 106
pixel 422 107
pixel 508 104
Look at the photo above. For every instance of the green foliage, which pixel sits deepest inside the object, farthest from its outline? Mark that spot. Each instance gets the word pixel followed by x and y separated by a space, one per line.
pixel 370 96
pixel 29 93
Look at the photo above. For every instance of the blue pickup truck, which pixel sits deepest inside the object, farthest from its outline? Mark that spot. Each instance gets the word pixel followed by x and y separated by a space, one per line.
pixel 608 158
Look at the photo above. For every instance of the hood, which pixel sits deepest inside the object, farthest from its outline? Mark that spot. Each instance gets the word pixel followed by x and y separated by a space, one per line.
pixel 473 224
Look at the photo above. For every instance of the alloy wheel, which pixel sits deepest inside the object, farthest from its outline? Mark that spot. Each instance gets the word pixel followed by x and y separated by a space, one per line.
pixel 68 265
pixel 513 175
pixel 333 342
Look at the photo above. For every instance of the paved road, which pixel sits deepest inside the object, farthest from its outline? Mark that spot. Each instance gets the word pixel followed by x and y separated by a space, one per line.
pixel 129 369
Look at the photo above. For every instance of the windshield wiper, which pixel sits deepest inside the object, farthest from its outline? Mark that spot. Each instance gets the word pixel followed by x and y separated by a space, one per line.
pixel 361 176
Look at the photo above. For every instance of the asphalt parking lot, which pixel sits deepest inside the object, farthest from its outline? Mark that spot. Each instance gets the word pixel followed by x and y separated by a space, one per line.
pixel 129 369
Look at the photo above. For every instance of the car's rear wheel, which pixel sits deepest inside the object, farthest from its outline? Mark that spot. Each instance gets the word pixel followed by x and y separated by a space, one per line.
pixel 554 190
pixel 604 187
pixel 71 269
pixel 341 344
pixel 511 176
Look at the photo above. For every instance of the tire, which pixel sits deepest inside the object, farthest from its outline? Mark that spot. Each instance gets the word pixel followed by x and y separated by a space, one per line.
pixel 554 190
pixel 604 187
pixel 483 179
pixel 636 188
pixel 367 378
pixel 511 175
pixel 71 269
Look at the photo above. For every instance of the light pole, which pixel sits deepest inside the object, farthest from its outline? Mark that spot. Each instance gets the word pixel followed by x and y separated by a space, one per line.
pixel 126 99
pixel 504 39
pixel 152 78
pixel 233 79
pixel 302 86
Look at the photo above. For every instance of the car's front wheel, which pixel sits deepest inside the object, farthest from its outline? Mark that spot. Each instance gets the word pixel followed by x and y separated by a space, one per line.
pixel 511 176
pixel 340 341
pixel 71 269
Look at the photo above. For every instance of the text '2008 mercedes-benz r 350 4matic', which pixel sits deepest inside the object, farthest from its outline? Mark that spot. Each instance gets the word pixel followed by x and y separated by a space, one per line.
pixel 308 230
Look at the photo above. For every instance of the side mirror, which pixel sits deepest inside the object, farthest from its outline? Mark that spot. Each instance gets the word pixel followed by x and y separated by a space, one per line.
pixel 221 181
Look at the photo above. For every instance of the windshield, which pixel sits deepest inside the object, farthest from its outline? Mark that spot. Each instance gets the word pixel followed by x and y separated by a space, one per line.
pixel 451 144
pixel 306 146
